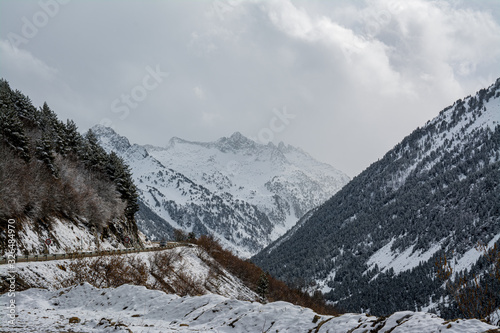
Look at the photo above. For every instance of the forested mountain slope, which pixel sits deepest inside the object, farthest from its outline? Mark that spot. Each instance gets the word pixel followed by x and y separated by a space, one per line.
pixel 57 184
pixel 244 193
pixel 373 245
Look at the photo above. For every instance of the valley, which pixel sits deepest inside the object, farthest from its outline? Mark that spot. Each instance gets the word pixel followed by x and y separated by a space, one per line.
pixel 396 248
pixel 245 193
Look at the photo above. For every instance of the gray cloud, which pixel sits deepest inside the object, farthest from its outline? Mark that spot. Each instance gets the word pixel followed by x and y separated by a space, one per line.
pixel 356 75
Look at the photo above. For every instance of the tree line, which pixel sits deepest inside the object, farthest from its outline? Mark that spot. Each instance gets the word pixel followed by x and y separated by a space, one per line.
pixel 48 169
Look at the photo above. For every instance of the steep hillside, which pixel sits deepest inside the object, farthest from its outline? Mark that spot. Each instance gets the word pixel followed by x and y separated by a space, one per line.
pixel 373 246
pixel 182 270
pixel 57 184
pixel 246 194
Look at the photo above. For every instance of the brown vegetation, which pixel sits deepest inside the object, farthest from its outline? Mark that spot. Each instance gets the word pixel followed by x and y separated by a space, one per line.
pixel 475 295
pixel 250 274
pixel 30 190
pixel 107 271
pixel 116 270
pixel 171 277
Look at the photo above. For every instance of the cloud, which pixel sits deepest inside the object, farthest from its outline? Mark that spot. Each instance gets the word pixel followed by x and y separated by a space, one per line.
pixel 200 94
pixel 24 63
pixel 40 81
pixel 434 41
pixel 401 44
pixel 358 75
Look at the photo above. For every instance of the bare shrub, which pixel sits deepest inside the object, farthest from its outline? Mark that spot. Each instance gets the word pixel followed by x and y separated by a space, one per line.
pixel 250 274
pixel 162 262
pixel 180 235
pixel 109 271
pixel 161 268
pixel 475 296
pixel 186 285
pixel 213 281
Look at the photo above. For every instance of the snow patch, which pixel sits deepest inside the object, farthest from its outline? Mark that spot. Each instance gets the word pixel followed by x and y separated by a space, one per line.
pixel 403 261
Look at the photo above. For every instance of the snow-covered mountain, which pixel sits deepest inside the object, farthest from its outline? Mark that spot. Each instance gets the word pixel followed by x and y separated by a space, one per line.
pixel 130 308
pixel 374 245
pixel 245 193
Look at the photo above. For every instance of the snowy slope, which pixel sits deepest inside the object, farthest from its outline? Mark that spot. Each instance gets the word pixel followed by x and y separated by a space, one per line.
pixel 188 263
pixel 282 181
pixel 65 236
pixel 136 309
pixel 246 194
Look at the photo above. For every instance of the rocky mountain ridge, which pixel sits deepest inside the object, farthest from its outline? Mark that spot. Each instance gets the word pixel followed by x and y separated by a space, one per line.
pixel 243 192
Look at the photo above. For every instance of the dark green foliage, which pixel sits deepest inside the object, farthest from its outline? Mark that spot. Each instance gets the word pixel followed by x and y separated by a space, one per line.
pixel 119 173
pixel 47 168
pixel 12 133
pixel 262 286
pixel 94 155
pixel 45 153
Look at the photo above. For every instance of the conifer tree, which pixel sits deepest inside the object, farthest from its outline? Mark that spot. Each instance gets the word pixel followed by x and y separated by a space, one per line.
pixel 48 117
pixel 262 286
pixel 12 134
pixel 120 174
pixel 73 139
pixel 45 153
pixel 94 155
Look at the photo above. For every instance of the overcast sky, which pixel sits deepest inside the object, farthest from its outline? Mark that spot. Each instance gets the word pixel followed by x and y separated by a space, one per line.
pixel 343 80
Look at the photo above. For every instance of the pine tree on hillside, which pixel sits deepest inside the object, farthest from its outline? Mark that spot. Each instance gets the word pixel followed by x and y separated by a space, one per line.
pixel 73 140
pixel 121 175
pixel 48 118
pixel 24 109
pixel 45 153
pixel 12 134
pixel 114 167
pixel 94 155
pixel 59 131
pixel 262 286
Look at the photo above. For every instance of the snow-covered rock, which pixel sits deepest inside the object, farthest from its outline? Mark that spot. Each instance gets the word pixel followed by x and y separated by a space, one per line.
pixel 62 235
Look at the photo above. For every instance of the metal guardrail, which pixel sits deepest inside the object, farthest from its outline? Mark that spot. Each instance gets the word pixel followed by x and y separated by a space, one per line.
pixel 61 256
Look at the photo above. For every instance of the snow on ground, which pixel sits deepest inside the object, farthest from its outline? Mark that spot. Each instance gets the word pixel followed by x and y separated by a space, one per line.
pixel 50 274
pixel 386 259
pixel 66 236
pixel 469 258
pixel 239 174
pixel 128 308
pixel 403 261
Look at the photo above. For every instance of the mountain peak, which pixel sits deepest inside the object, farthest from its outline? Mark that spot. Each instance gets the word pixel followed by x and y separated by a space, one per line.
pixel 236 141
pixel 174 140
pixel 237 136
pixel 101 130
pixel 108 137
